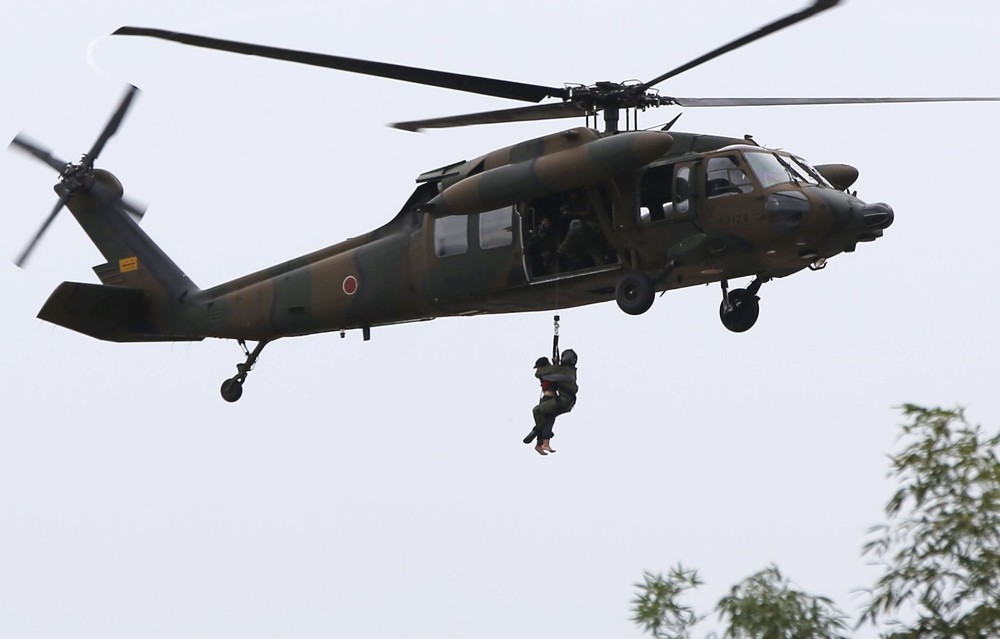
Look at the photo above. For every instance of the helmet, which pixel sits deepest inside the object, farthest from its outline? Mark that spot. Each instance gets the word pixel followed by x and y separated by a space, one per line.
pixel 542 361
pixel 568 357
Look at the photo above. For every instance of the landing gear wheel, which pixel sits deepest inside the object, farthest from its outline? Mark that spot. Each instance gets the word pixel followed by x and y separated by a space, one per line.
pixel 232 390
pixel 743 311
pixel 635 292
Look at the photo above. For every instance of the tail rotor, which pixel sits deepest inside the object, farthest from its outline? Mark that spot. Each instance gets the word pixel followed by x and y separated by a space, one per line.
pixel 74 178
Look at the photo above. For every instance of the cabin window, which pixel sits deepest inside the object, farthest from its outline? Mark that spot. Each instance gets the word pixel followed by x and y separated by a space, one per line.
pixel 725 176
pixel 682 190
pixel 451 235
pixel 496 228
pixel 664 193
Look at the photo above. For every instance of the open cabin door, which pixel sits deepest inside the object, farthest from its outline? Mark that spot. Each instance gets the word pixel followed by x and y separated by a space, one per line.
pixel 566 234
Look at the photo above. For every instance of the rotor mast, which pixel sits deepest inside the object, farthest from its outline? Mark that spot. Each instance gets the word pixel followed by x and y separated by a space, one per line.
pixel 611 119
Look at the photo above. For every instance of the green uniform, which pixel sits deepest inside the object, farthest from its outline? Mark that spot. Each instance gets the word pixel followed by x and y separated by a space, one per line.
pixel 563 381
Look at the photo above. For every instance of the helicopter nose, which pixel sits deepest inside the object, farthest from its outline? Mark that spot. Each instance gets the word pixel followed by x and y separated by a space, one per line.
pixel 877 216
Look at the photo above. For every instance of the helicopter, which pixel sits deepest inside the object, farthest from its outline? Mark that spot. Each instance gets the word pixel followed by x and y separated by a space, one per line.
pixel 577 217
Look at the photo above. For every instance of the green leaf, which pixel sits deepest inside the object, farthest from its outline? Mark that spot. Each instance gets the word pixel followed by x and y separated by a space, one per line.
pixel 942 531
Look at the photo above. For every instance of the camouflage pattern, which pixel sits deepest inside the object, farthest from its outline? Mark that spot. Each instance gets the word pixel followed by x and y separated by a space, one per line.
pixel 397 273
pixel 548 165
pixel 659 211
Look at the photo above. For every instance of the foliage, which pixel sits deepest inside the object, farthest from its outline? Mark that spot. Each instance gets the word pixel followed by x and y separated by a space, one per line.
pixel 766 606
pixel 656 607
pixel 941 547
pixel 940 551
pixel 763 606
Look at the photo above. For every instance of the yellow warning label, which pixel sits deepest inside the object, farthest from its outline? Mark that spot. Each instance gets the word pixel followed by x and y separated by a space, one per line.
pixel 128 264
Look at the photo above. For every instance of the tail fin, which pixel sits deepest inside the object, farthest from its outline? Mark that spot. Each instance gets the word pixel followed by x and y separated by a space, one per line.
pixel 144 292
pixel 134 260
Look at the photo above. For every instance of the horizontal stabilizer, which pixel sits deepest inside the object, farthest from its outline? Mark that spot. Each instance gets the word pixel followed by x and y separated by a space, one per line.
pixel 110 313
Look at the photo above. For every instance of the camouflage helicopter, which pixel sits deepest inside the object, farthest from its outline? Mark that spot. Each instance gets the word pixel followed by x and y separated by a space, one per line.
pixel 576 217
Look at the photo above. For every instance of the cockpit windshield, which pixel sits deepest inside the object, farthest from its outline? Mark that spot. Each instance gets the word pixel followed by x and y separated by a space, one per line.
pixel 779 168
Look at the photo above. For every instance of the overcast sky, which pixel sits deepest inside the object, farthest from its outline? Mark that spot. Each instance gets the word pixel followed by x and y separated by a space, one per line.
pixel 381 489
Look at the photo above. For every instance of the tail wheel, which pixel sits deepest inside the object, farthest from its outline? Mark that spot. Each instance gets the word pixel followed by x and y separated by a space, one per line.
pixel 635 292
pixel 744 308
pixel 232 390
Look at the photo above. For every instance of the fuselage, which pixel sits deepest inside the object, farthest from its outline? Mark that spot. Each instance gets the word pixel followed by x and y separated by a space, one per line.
pixel 553 223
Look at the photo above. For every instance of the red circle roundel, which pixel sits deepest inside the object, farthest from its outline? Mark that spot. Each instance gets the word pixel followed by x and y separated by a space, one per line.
pixel 350 285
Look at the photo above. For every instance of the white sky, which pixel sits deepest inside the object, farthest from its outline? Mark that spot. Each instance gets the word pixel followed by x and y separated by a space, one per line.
pixel 380 489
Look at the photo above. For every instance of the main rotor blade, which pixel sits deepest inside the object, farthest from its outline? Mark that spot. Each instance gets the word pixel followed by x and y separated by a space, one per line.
pixel 521 114
pixel 729 102
pixel 45 225
pixel 112 126
pixel 40 152
pixel 444 79
pixel 818 6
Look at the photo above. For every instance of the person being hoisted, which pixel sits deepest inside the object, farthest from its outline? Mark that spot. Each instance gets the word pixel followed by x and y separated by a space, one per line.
pixel 559 388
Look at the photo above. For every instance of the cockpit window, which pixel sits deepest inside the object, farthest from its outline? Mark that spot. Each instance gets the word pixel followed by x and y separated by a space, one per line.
pixel 725 176
pixel 774 168
pixel 816 175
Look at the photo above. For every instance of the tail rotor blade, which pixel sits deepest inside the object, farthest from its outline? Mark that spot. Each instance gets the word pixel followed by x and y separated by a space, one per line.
pixel 112 198
pixel 134 209
pixel 82 177
pixel 45 225
pixel 28 146
pixel 112 126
